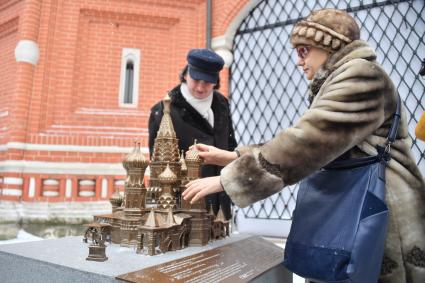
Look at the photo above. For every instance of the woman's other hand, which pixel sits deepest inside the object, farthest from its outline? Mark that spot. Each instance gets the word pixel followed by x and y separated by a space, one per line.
pixel 199 188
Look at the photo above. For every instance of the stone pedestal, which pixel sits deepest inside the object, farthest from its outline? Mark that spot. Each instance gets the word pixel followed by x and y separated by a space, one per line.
pixel 97 253
pixel 239 258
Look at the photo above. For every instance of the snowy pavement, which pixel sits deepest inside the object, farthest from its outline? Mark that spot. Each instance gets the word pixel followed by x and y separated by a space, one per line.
pixel 21 237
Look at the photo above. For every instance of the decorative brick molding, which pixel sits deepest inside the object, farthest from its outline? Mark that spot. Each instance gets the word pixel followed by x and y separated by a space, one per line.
pixel 9 27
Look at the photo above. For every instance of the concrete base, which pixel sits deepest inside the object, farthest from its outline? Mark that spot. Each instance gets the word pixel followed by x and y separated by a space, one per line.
pixel 64 260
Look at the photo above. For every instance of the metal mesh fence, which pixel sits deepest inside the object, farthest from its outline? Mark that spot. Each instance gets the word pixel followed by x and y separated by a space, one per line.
pixel 268 89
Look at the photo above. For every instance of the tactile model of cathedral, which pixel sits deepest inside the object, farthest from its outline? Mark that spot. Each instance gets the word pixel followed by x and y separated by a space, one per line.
pixel 156 219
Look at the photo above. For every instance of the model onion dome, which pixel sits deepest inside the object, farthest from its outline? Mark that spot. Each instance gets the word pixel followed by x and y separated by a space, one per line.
pixel 192 155
pixel 135 164
pixel 167 177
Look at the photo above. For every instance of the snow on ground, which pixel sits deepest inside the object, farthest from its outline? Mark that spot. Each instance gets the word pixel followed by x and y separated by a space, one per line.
pixel 21 237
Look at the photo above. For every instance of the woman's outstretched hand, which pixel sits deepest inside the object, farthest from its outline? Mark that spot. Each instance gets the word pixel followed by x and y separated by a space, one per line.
pixel 199 188
pixel 212 155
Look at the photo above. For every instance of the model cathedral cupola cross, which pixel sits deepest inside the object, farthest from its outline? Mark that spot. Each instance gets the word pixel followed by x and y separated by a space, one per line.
pixel 156 219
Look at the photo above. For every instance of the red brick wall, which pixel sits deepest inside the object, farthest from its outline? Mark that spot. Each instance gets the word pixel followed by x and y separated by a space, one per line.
pixel 70 98
pixel 9 21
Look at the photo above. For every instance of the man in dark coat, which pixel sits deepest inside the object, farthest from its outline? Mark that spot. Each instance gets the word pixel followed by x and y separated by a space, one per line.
pixel 200 112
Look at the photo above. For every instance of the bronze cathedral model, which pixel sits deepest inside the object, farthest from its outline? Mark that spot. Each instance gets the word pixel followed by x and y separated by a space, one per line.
pixel 156 219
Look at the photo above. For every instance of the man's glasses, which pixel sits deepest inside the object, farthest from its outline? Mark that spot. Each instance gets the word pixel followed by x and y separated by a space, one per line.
pixel 302 51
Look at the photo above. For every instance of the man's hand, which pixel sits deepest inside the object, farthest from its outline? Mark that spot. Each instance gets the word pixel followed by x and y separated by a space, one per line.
pixel 199 188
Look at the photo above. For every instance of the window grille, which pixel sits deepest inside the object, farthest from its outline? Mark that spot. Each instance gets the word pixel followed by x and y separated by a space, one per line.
pixel 268 89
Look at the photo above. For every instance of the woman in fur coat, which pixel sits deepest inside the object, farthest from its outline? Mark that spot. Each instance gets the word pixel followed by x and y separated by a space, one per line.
pixel 352 103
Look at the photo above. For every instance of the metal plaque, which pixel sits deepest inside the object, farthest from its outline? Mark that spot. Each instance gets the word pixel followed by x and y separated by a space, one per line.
pixel 240 261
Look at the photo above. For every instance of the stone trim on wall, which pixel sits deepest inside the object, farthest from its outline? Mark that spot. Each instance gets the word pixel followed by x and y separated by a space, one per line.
pixel 66 147
pixel 59 212
pixel 79 168
pixel 27 51
pixel 40 187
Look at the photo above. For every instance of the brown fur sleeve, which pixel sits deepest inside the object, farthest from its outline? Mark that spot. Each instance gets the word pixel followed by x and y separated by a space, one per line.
pixel 246 182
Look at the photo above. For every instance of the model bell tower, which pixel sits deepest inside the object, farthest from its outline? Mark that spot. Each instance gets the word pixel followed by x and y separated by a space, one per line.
pixel 135 164
pixel 135 194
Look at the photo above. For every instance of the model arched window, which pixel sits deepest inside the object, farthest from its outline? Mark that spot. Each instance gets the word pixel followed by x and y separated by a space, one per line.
pixel 129 77
pixel 129 82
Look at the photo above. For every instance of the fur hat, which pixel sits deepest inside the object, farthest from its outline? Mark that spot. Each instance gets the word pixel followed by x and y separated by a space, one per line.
pixel 328 29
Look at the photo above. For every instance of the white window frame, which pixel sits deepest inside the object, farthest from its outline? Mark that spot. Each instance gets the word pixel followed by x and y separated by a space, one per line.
pixel 133 55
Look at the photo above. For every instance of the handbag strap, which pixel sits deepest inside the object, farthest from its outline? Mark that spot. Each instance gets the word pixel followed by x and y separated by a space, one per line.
pixel 392 134
pixel 385 153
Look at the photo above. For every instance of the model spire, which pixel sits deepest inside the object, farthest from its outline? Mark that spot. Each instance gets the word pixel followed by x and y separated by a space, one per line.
pixel 151 221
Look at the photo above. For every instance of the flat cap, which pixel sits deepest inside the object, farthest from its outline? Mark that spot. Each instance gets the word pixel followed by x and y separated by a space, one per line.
pixel 204 64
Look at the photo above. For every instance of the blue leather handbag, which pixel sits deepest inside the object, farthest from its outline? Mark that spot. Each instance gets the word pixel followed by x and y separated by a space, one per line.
pixel 340 220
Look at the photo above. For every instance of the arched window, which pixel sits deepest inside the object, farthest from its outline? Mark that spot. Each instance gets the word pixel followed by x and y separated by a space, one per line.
pixel 128 89
pixel 129 81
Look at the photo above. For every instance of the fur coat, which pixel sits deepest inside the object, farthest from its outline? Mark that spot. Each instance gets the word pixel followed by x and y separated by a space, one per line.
pixel 352 104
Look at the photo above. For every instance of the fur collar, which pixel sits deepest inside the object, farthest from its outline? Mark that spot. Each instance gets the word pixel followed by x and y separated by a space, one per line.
pixel 358 49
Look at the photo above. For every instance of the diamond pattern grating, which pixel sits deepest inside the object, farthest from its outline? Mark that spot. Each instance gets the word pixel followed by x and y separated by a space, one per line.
pixel 268 89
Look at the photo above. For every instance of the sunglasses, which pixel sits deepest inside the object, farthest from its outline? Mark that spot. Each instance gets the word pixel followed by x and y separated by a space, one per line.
pixel 302 51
